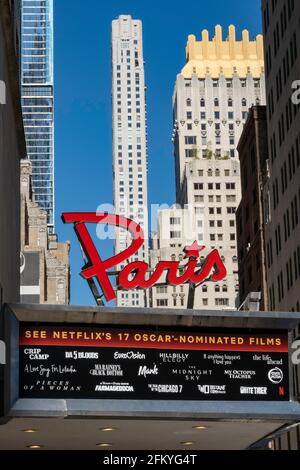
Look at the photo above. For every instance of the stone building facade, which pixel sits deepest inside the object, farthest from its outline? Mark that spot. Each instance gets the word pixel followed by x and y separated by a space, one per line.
pixel 45 267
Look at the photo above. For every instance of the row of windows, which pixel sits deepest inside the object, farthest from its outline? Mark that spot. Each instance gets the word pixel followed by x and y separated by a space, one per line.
pixel 211 199
pixel 219 236
pixel 284 123
pixel 192 140
pixel 229 82
pixel 37 121
pixel 31 79
pixel 217 102
pixel 131 203
pixel 287 281
pixel 213 237
pixel 290 222
pixel 217 115
pixel 218 302
pixel 165 302
pixel 164 289
pixel 37 101
pixel 217 127
pixel 281 78
pixel 38 137
pixel 137 96
pixel 129 124
pixel 130 162
pixel 217 288
pixel 130 147
pixel 217 186
pixel 37 92
pixel 207 153
pixel 287 171
pixel 204 142
pixel 279 30
pixel 216 223
pixel 211 173
pixel 285 17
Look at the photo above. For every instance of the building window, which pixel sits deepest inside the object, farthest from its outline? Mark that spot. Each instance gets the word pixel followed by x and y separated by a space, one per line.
pixel 191 153
pixel 162 302
pixel 190 140
pixel 222 302
pixel 162 289
pixel 175 234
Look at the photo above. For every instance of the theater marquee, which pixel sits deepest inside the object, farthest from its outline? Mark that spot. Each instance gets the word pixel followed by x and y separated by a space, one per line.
pixel 114 363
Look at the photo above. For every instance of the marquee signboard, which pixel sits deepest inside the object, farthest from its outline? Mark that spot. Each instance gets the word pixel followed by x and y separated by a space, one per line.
pixel 141 364
pixel 136 275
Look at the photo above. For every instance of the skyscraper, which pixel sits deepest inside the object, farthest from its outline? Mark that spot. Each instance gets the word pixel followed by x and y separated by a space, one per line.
pixel 12 149
pixel 281 189
pixel 129 137
pixel 253 154
pixel 221 80
pixel 282 56
pixel 38 98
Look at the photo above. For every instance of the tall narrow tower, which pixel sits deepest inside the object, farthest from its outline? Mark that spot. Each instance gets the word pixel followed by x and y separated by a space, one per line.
pixel 129 138
pixel 38 98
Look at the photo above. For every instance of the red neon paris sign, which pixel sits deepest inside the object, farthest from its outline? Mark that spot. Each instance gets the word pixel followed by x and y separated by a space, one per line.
pixel 136 274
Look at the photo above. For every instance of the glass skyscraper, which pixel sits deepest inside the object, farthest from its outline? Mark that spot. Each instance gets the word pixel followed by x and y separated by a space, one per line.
pixel 38 98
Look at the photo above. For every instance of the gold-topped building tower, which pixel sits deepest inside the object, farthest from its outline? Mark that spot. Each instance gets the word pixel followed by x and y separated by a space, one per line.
pixel 229 57
pixel 218 84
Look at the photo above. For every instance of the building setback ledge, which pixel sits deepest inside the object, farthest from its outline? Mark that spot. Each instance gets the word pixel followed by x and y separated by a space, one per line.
pixel 155 317
pixel 218 410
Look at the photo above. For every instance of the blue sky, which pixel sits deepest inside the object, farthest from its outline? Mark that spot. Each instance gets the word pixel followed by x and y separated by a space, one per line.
pixel 83 158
